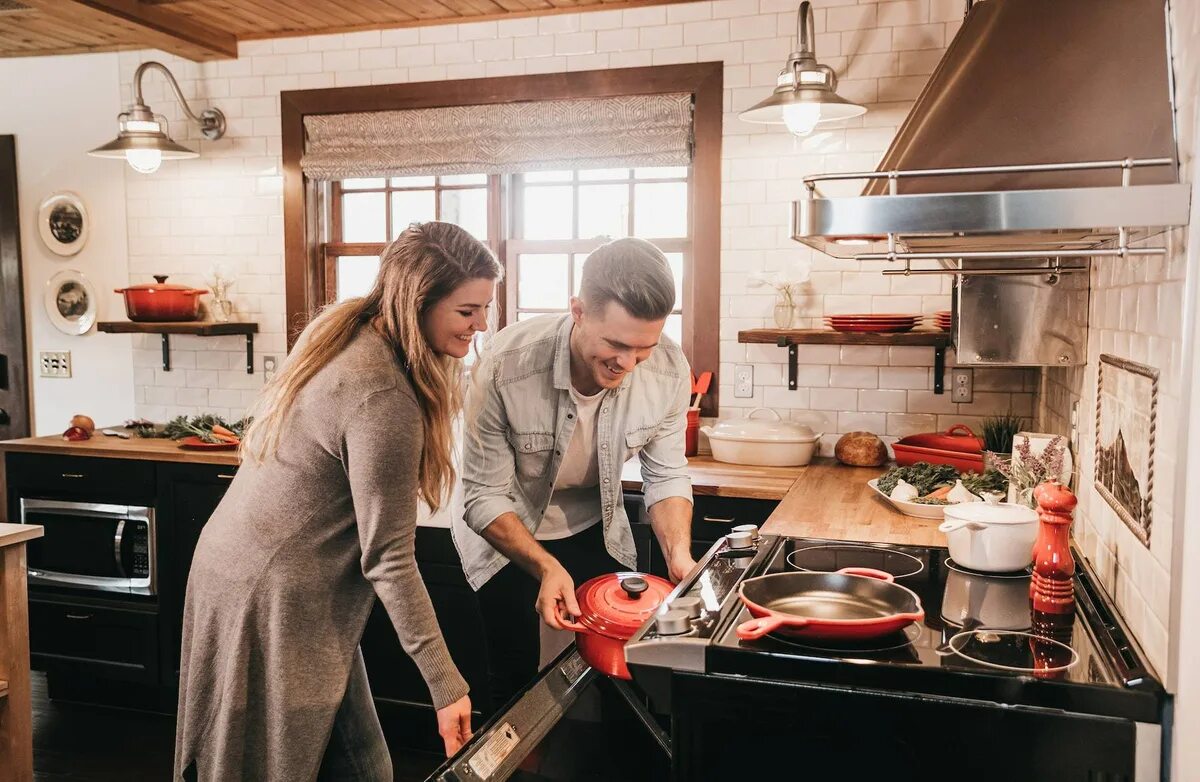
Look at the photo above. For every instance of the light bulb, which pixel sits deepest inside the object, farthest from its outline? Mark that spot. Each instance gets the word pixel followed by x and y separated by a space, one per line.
pixel 144 161
pixel 801 118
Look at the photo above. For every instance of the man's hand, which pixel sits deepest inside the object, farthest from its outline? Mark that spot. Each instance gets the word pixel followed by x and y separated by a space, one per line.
pixel 454 724
pixel 680 565
pixel 556 595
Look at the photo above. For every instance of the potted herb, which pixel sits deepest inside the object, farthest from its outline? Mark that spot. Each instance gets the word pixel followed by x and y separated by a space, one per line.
pixel 998 434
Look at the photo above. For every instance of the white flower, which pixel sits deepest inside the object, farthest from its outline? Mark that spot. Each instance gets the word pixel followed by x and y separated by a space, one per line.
pixel 786 280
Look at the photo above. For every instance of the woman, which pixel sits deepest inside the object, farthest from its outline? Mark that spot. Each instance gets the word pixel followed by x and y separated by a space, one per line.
pixel 321 518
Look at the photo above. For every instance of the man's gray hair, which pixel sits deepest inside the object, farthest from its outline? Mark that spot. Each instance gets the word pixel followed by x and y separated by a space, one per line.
pixel 632 272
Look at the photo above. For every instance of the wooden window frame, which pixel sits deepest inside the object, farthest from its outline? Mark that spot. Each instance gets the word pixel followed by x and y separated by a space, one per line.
pixel 305 263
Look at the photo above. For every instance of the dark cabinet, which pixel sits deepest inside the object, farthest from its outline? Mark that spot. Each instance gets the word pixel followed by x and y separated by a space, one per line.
pixel 94 638
pixel 187 496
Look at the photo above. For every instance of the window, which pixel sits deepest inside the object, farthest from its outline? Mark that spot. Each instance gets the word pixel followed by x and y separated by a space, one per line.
pixel 558 218
pixel 541 237
pixel 366 214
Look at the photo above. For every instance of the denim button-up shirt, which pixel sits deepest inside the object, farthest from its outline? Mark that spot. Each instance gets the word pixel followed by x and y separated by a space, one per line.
pixel 521 417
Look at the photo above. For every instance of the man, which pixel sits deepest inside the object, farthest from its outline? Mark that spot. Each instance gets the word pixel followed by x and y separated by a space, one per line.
pixel 554 411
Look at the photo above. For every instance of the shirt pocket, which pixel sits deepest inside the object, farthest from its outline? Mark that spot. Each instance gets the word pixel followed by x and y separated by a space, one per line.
pixel 636 440
pixel 531 452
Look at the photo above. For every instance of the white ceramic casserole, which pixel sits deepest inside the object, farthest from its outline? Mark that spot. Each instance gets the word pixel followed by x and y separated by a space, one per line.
pixel 990 537
pixel 766 443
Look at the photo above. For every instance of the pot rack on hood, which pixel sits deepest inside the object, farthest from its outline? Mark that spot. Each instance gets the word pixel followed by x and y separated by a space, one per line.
pixel 1045 132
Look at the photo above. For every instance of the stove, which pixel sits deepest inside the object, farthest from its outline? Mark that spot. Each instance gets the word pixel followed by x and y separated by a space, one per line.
pixel 1033 694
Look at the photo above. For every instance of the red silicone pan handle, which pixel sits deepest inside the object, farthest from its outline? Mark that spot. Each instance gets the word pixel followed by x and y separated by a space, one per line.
pixel 756 628
pixel 572 625
pixel 869 572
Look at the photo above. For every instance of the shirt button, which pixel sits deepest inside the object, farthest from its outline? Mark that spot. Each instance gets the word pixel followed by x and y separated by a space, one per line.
pixel 528 447
pixel 570 415
pixel 606 480
pixel 604 446
pixel 557 453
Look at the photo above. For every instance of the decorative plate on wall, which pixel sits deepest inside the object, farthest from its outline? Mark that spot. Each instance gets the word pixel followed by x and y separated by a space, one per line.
pixel 71 302
pixel 63 223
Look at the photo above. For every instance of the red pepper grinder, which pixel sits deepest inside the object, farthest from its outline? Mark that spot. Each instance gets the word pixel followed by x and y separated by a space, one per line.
pixel 1052 589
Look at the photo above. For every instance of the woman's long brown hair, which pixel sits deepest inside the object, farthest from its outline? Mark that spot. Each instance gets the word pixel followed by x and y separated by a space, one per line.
pixel 420 268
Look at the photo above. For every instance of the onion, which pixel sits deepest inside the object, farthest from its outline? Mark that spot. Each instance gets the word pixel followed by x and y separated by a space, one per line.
pixel 76 433
pixel 83 422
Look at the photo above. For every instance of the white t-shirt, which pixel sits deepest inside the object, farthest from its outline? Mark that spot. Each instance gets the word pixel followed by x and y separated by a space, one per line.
pixel 575 503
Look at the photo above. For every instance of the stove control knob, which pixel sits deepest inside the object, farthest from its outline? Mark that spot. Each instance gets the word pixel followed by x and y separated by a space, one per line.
pixel 672 622
pixel 689 605
pixel 739 539
pixel 751 528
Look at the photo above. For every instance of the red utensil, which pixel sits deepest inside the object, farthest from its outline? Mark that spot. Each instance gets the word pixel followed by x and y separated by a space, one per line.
pixel 613 607
pixel 192 441
pixel 1052 588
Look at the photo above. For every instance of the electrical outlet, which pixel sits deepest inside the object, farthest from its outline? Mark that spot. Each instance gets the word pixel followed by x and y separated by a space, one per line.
pixel 55 363
pixel 268 367
pixel 743 381
pixel 961 385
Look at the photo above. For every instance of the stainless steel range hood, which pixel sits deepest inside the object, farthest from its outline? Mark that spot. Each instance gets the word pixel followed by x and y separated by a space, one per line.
pixel 1046 130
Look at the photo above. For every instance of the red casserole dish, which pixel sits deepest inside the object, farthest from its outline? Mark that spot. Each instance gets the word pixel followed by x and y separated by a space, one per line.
pixel 851 604
pixel 159 302
pixel 957 446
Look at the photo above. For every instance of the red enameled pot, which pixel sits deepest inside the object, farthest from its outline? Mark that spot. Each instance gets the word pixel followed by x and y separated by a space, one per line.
pixel 613 607
pixel 160 302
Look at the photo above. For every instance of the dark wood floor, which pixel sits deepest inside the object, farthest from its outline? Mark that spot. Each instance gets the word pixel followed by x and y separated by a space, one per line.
pixel 75 742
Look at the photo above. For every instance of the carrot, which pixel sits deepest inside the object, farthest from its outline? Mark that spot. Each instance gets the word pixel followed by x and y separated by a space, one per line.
pixel 938 493
pixel 221 433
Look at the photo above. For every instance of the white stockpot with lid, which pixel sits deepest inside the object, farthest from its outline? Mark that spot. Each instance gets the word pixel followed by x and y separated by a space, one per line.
pixel 990 537
pixel 767 443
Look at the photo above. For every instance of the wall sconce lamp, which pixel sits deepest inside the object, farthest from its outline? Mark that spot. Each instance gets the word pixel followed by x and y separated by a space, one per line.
pixel 143 141
pixel 806 91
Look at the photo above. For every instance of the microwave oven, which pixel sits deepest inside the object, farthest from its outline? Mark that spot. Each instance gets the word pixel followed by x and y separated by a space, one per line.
pixel 94 546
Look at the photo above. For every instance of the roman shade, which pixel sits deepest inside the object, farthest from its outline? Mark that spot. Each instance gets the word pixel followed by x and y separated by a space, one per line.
pixel 501 138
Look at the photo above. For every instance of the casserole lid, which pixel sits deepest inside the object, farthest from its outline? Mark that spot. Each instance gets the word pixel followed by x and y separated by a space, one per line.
pixel 755 430
pixel 617 604
pixel 991 513
pixel 957 438
pixel 161 284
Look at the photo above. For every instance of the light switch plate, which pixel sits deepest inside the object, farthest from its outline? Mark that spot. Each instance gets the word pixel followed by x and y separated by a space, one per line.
pixel 54 363
pixel 961 385
pixel 743 381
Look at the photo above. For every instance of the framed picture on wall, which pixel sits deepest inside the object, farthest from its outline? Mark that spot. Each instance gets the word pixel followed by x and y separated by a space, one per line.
pixel 1126 412
pixel 63 223
pixel 71 302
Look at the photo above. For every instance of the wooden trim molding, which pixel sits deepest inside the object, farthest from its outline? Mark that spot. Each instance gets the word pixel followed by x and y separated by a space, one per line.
pixel 701 295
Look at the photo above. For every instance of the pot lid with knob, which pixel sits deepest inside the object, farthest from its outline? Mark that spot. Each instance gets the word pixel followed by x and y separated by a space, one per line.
pixel 617 604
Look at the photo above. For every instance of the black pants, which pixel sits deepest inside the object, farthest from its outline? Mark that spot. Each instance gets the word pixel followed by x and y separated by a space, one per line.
pixel 510 616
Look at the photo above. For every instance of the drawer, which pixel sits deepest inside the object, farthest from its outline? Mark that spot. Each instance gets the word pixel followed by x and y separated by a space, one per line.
pixel 120 480
pixel 85 638
pixel 713 517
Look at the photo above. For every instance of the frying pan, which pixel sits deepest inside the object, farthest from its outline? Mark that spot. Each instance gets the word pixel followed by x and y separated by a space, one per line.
pixel 853 603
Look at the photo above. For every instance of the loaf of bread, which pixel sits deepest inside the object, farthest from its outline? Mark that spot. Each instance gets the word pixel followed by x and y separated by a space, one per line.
pixel 860 449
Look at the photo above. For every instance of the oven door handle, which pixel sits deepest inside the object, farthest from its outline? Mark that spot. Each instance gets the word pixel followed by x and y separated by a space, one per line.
pixel 120 533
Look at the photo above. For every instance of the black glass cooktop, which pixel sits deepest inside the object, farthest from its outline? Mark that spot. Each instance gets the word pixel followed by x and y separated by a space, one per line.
pixel 979 638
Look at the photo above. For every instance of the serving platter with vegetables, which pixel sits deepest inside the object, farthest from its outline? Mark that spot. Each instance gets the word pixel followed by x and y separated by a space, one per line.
pixel 922 490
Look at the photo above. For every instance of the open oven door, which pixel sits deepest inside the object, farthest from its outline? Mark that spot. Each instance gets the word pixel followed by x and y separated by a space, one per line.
pixel 570 723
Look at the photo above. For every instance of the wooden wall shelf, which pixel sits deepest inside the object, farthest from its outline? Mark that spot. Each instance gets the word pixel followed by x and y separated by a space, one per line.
pixel 791 338
pixel 194 328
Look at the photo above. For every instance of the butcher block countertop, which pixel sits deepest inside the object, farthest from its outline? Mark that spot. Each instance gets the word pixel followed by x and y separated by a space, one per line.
pixel 153 449
pixel 823 500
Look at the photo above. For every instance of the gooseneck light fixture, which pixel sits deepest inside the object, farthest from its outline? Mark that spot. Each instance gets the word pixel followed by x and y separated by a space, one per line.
pixel 806 91
pixel 143 139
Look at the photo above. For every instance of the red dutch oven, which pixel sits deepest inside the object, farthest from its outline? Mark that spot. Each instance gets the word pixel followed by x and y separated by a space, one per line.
pixel 613 607
pixel 159 301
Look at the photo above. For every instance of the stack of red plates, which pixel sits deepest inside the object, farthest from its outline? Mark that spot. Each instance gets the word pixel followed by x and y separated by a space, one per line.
pixel 872 323
pixel 942 320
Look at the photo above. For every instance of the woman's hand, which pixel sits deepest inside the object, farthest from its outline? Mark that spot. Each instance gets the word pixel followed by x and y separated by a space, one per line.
pixel 454 724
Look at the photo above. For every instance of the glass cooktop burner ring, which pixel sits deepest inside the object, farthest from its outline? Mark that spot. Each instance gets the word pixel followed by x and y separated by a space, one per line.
pixel 831 557
pixel 952 565
pixel 896 640
pixel 973 645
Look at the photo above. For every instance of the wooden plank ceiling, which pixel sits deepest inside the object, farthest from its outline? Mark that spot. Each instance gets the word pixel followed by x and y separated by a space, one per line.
pixel 210 29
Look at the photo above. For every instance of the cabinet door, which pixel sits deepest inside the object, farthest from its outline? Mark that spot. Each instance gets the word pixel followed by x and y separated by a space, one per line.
pixel 93 637
pixel 396 683
pixel 188 495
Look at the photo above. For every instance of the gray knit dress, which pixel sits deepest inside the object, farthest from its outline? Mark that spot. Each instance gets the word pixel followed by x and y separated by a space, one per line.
pixel 288 567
